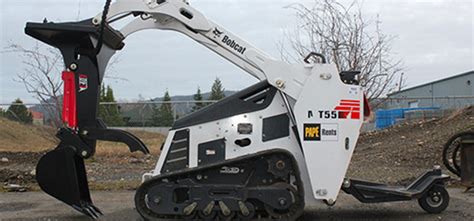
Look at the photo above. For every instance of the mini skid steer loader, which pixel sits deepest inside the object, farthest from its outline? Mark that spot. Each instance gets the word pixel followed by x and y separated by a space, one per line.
pixel 265 152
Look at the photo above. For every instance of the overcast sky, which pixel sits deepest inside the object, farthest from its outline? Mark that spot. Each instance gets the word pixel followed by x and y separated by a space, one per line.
pixel 435 38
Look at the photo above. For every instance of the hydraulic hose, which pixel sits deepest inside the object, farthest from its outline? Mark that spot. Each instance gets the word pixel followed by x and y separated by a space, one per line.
pixel 102 26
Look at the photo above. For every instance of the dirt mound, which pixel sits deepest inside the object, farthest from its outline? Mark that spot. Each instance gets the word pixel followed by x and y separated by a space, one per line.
pixel 20 137
pixel 21 146
pixel 401 153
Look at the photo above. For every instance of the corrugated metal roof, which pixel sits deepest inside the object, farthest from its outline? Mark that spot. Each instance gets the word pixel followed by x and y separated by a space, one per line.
pixel 433 82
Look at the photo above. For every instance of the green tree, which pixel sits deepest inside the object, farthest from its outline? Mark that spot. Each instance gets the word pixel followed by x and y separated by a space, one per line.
pixel 110 111
pixel 18 112
pixel 163 115
pixel 2 112
pixel 217 91
pixel 198 98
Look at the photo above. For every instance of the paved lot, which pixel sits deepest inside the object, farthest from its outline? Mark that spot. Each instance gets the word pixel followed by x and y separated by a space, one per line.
pixel 119 206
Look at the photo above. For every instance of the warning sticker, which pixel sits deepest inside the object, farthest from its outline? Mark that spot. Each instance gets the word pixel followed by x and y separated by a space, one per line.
pixel 83 85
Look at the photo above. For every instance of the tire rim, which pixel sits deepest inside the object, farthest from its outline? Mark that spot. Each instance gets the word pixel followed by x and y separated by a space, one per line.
pixel 434 200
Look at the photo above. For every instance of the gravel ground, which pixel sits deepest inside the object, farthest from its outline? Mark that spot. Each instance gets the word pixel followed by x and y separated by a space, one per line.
pixel 119 206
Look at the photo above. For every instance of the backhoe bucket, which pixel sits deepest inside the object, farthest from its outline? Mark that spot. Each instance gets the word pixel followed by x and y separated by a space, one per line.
pixel 62 174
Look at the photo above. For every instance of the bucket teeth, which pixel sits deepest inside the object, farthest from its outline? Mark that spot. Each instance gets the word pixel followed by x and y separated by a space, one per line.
pixel 89 210
pixel 97 210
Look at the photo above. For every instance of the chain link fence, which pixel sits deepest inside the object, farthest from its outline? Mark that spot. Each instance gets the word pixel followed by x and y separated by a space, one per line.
pixel 395 110
pixel 446 102
pixel 143 114
pixel 117 114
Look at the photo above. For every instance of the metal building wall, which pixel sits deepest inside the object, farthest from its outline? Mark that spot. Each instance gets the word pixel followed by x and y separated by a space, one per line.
pixel 449 93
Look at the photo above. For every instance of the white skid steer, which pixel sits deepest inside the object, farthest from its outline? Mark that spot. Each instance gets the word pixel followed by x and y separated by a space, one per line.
pixel 264 153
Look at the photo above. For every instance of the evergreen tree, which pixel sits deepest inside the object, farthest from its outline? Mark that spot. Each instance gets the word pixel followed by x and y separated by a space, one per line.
pixel 163 115
pixel 110 112
pixel 217 91
pixel 18 112
pixel 198 98
pixel 102 93
pixel 2 112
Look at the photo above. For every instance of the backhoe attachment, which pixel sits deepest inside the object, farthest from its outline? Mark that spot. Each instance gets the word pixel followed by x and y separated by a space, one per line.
pixel 61 172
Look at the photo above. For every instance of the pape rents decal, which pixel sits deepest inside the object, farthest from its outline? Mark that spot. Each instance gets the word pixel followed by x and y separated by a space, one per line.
pixel 321 132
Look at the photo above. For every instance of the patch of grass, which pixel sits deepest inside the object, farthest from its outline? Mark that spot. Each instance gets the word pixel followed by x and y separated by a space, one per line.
pixel 152 140
pixel 18 137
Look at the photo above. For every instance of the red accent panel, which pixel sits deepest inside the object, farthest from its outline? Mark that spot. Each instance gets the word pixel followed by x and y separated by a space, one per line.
pixel 69 99
pixel 366 107
pixel 355 115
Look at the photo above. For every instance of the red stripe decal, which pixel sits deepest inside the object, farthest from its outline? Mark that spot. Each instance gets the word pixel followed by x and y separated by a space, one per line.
pixel 341 108
pixel 350 104
pixel 351 101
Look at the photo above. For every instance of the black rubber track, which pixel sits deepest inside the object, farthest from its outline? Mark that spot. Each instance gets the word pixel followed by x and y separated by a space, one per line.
pixel 295 211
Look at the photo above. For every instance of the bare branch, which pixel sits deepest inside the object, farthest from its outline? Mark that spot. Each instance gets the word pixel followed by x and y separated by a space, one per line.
pixel 348 39
pixel 41 77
